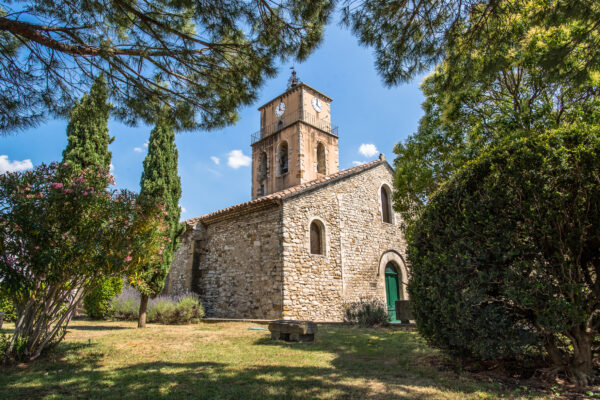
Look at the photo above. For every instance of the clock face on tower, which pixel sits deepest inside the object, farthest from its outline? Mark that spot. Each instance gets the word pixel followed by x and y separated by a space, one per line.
pixel 317 105
pixel 280 109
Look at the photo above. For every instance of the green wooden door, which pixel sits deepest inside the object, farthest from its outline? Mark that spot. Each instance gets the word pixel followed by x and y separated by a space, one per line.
pixel 391 290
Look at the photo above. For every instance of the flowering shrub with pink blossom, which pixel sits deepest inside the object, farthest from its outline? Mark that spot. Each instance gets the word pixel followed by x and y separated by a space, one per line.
pixel 60 232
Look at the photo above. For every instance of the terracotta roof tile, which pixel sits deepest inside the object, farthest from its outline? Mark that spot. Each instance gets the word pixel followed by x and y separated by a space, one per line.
pixel 282 194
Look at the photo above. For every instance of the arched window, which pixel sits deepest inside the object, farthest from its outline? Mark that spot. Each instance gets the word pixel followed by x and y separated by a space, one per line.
pixel 317 238
pixel 282 158
pixel 262 166
pixel 386 210
pixel 321 165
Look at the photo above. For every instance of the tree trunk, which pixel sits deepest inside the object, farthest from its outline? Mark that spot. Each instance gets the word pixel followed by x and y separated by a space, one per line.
pixel 143 307
pixel 578 363
pixel 581 367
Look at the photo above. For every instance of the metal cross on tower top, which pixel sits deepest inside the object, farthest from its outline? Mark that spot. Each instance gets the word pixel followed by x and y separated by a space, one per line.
pixel 293 81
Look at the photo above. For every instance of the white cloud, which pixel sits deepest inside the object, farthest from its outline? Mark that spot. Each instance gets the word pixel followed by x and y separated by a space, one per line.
pixel 12 166
pixel 236 159
pixel 138 149
pixel 183 209
pixel 368 150
pixel 357 162
pixel 216 160
pixel 146 144
pixel 112 167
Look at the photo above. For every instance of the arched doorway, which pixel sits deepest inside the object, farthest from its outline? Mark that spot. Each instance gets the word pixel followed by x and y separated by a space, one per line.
pixel 392 292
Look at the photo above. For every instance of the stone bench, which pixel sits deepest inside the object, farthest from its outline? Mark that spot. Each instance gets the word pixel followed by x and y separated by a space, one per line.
pixel 293 331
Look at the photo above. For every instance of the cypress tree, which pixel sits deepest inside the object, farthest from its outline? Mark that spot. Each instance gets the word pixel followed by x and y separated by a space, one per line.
pixel 87 131
pixel 160 181
pixel 87 146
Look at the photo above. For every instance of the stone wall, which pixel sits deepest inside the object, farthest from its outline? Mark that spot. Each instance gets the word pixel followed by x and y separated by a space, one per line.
pixel 256 263
pixel 310 138
pixel 239 266
pixel 356 242
pixel 181 273
pixel 270 145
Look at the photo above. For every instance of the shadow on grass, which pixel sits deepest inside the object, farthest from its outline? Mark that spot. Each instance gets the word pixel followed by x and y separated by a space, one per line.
pixel 389 361
pixel 389 356
pixel 96 328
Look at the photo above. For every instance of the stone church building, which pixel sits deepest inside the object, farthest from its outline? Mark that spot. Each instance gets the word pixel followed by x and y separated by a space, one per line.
pixel 311 238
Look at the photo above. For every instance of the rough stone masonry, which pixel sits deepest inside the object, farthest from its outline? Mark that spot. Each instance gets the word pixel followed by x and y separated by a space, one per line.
pixel 253 260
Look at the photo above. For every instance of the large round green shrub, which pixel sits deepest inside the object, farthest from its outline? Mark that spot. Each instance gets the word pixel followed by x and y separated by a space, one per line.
pixel 505 257
pixel 97 303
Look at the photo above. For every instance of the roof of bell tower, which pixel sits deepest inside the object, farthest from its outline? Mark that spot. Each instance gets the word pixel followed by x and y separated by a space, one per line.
pixel 298 86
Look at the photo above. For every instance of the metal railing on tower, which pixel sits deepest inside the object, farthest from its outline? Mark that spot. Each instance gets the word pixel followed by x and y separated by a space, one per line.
pixel 289 118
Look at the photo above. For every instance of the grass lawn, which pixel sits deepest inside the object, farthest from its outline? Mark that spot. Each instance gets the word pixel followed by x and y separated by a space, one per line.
pixel 114 360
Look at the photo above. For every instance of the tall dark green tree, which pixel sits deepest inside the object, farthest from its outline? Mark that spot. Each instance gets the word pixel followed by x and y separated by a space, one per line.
pixel 87 147
pixel 204 59
pixel 160 182
pixel 87 131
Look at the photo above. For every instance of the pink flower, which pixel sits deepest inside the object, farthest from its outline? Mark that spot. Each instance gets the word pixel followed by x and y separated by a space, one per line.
pixel 68 191
pixel 37 247
pixel 128 258
pixel 56 185
pixel 85 193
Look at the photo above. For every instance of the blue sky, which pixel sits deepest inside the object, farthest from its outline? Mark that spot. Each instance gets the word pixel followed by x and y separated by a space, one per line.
pixel 214 168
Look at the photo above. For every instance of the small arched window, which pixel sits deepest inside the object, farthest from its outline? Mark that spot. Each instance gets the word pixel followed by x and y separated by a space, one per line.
pixel 262 166
pixel 321 165
pixel 317 245
pixel 386 211
pixel 282 158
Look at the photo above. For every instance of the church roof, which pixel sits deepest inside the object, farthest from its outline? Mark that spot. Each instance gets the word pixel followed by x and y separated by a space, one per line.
pixel 277 197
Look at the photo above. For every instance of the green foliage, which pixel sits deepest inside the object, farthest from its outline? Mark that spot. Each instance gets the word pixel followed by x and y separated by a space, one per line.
pixel 182 309
pixel 7 306
pixel 18 348
pixel 203 59
pixel 505 255
pixel 88 140
pixel 87 131
pixel 96 303
pixel 125 306
pixel 481 94
pixel 160 182
pixel 60 232
pixel 410 37
pixel 366 312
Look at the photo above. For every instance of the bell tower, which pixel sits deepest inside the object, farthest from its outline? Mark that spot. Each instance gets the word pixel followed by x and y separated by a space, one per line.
pixel 296 142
